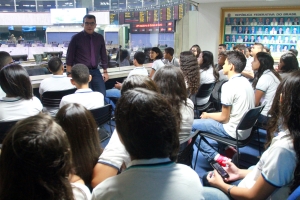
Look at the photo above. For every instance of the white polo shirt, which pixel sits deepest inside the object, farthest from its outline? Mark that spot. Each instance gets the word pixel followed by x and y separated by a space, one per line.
pixel 267 83
pixel 149 179
pixel 248 67
pixel 237 93
pixel 15 108
pixel 55 83
pixel 2 93
pixel 157 64
pixel 86 97
pixel 277 165
pixel 141 70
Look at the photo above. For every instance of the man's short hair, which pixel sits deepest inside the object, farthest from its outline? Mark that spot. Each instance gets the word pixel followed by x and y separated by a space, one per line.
pixel 5 59
pixel 55 64
pixel 238 60
pixel 259 44
pixel 223 53
pixel 147 125
pixel 169 50
pixel 89 17
pixel 140 57
pixel 80 74
pixel 294 51
pixel 222 45
pixel 241 48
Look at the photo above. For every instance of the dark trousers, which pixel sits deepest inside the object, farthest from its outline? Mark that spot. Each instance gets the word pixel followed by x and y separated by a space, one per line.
pixel 97 82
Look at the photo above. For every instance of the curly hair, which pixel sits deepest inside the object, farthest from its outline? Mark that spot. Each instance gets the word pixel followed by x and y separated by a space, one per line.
pixel 191 71
pixel 287 113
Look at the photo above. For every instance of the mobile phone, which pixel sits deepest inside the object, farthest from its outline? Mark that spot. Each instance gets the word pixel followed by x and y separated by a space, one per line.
pixel 219 169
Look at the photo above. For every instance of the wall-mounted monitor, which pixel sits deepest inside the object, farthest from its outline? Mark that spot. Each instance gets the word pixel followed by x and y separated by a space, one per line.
pixel 11 28
pixel 28 28
pixel 68 15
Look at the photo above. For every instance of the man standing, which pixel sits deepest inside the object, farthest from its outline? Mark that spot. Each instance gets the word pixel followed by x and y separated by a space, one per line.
pixel 88 47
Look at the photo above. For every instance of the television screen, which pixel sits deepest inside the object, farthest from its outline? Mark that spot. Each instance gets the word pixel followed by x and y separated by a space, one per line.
pixel 67 16
pixel 11 28
pixel 28 28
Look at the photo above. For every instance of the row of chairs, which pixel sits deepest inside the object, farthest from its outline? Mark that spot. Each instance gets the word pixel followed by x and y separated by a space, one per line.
pixel 101 115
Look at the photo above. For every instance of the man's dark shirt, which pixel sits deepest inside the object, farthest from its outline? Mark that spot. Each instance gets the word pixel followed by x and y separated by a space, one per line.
pixel 79 50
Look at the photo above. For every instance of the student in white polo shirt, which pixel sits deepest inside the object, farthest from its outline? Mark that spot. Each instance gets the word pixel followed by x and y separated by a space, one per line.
pixel 19 101
pixel 169 58
pixel 83 95
pixel 138 61
pixel 265 83
pixel 237 98
pixel 148 129
pixel 5 59
pixel 58 81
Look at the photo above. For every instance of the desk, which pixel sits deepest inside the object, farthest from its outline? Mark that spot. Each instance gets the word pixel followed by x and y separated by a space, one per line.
pixel 114 73
pixel 33 50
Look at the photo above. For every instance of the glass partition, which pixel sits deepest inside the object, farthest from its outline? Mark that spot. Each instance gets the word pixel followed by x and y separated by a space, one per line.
pixel 7 6
pixel 25 6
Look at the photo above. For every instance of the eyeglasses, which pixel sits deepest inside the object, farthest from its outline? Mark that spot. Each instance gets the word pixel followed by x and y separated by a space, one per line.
pixel 89 23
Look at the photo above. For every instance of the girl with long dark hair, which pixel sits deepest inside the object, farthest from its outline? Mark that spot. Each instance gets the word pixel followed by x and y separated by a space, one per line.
pixel 265 83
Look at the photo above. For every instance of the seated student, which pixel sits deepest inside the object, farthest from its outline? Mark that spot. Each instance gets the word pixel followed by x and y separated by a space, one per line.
pixel 57 82
pixel 288 63
pixel 19 101
pixel 237 97
pixel 35 163
pixel 208 74
pixel 156 55
pixel 265 83
pixel 138 61
pixel 221 60
pixel 247 72
pixel 115 155
pixel 83 95
pixel 153 148
pixel 170 82
pixel 190 69
pixel 169 58
pixel 277 173
pixel 5 59
pixel 84 138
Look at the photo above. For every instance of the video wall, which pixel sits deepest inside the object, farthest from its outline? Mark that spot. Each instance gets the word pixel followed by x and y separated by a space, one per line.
pixel 278 30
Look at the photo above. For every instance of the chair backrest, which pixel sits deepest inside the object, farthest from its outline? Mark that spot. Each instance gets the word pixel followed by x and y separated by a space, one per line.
pixel 205 90
pixel 53 98
pixel 185 155
pixel 4 128
pixel 102 114
pixel 249 119
pixel 295 195
pixel 216 93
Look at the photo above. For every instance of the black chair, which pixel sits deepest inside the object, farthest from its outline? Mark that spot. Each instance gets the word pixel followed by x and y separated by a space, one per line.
pixel 185 155
pixel 215 97
pixel 103 115
pixel 53 98
pixel 4 128
pixel 248 121
pixel 204 91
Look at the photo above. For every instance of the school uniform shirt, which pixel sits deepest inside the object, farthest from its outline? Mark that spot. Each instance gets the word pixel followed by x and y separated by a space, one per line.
pixel 16 108
pixel 237 92
pixel 149 179
pixel 141 70
pixel 55 83
pixel 277 165
pixel 80 191
pixel 174 62
pixel 86 97
pixel 157 64
pixel 248 67
pixel 267 83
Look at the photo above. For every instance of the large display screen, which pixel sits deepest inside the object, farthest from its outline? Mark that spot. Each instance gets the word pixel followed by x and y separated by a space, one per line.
pixel 67 16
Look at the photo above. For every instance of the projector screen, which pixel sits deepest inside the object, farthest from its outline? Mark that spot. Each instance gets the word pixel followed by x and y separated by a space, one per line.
pixel 67 16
